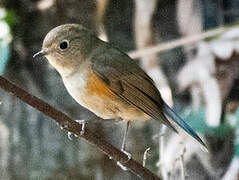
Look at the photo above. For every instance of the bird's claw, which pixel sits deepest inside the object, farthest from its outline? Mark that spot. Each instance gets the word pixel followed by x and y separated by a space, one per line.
pixel 69 135
pixel 82 122
pixel 128 154
pixel 120 164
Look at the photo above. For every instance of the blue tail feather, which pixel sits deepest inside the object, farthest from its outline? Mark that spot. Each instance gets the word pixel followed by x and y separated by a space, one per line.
pixel 179 121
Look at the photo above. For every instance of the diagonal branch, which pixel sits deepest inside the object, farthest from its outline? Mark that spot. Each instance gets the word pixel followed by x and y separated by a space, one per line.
pixel 70 125
pixel 180 42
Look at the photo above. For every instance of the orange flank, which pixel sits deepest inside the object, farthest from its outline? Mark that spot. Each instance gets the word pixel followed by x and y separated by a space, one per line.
pixel 109 105
pixel 96 86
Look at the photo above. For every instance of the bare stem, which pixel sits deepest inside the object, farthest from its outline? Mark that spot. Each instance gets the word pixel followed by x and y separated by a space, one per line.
pixel 70 125
pixel 145 156
pixel 178 42
pixel 182 164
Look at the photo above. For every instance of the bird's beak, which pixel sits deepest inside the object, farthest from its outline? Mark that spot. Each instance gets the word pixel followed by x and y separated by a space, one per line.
pixel 40 54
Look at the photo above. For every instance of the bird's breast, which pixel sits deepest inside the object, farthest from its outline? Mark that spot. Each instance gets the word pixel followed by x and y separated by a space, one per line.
pixel 89 91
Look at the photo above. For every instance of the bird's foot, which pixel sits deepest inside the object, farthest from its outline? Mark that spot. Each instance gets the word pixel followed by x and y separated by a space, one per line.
pixel 120 164
pixel 70 134
pixel 82 122
pixel 128 154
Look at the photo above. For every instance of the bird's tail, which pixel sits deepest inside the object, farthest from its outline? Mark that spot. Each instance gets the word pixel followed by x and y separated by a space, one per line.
pixel 179 121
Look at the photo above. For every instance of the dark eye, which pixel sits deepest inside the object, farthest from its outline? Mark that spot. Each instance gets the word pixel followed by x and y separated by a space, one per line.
pixel 64 45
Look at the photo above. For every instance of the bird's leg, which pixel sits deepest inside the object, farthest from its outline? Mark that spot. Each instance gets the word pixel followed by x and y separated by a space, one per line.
pixel 125 136
pixel 124 141
pixel 123 148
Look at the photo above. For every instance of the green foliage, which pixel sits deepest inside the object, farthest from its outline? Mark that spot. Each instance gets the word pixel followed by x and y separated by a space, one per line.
pixel 198 123
pixel 10 18
pixel 7 20
pixel 197 120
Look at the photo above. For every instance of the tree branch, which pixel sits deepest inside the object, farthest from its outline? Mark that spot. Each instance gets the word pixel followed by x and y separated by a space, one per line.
pixel 70 125
pixel 179 42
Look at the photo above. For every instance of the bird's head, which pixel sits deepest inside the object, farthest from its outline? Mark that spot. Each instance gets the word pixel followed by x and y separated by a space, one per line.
pixel 67 46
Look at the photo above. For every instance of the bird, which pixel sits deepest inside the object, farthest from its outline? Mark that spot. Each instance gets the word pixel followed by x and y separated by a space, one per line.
pixel 105 80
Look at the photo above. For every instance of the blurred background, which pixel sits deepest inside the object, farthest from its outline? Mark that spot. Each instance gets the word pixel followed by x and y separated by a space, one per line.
pixel 197 75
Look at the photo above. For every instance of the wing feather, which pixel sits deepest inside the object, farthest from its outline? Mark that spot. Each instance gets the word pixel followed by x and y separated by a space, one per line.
pixel 128 81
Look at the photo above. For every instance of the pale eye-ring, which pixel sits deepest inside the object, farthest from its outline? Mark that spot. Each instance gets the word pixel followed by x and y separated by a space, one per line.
pixel 64 45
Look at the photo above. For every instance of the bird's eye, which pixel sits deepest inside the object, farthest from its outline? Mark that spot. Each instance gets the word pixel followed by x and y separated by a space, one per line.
pixel 64 45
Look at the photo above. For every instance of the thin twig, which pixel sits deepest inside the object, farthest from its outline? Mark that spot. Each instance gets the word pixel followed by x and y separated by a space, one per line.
pixel 182 164
pixel 70 125
pixel 178 42
pixel 161 161
pixel 145 156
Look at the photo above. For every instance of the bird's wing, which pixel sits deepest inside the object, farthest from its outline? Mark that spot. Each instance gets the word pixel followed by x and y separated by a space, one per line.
pixel 128 81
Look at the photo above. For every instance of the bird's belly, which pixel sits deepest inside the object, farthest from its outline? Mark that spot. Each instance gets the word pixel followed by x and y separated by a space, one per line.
pixel 94 95
pixel 110 108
